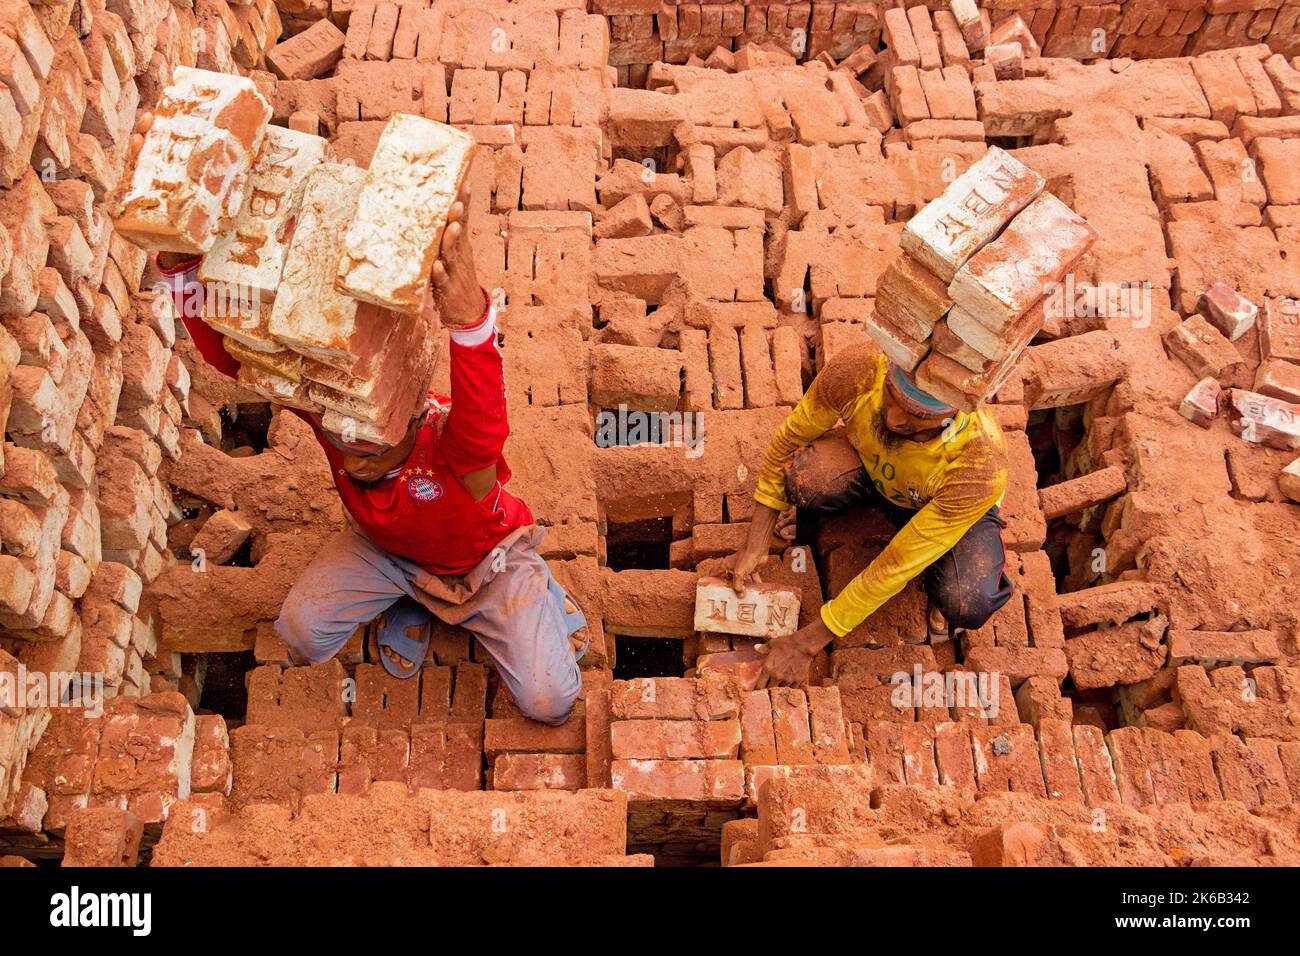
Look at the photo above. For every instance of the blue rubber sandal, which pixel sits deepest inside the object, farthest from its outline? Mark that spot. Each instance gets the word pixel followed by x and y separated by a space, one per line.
pixel 403 615
pixel 575 620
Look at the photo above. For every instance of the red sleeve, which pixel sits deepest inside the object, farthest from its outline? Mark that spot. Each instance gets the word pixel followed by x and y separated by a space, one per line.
pixel 182 282
pixel 476 428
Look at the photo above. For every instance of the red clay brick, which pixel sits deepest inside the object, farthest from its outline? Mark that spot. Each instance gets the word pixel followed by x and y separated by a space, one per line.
pixel 664 739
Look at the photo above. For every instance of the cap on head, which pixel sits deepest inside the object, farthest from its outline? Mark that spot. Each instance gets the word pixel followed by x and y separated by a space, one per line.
pixel 913 398
pixel 361 446
pixel 355 447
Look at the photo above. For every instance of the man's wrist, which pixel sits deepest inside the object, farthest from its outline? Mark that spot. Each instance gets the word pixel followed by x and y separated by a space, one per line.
pixel 469 308
pixel 816 635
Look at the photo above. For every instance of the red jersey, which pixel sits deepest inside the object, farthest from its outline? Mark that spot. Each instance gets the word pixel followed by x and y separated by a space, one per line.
pixel 421 511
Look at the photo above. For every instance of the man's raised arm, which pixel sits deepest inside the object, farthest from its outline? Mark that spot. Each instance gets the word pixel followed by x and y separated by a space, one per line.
pixel 181 280
pixel 477 428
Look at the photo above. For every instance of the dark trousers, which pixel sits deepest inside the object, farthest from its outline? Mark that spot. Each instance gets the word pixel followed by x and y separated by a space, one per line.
pixel 968 584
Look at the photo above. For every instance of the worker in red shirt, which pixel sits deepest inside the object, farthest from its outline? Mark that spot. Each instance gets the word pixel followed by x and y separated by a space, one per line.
pixel 434 530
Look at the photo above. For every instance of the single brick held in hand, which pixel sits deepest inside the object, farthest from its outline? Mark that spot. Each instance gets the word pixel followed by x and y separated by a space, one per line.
pixel 763 610
pixel 414 177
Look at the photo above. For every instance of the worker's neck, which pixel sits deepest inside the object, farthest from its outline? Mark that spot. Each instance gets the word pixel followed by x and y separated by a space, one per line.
pixel 924 436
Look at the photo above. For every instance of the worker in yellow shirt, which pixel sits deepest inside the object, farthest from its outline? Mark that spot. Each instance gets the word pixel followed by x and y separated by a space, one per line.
pixel 937 474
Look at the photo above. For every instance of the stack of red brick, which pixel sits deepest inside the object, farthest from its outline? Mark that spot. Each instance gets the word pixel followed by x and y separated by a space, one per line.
pixel 93 396
pixel 318 318
pixel 1163 801
pixel 138 759
pixel 975 279
pixel 388 826
pixel 230 37
pixel 643 32
pixel 348 724
pixel 1088 31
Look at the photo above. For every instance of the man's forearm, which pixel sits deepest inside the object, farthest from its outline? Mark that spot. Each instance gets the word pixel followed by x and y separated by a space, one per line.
pixel 477 426
pixel 188 302
pixel 762 527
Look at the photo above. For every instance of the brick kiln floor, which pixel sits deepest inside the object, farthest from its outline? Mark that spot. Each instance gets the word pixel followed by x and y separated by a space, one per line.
pixel 706 244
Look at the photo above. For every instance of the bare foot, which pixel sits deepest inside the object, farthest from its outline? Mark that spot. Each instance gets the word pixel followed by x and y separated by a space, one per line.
pixel 397 658
pixel 578 639
pixel 936 623
pixel 414 633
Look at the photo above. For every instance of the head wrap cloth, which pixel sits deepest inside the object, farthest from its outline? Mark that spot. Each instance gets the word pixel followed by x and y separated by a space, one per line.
pixel 913 398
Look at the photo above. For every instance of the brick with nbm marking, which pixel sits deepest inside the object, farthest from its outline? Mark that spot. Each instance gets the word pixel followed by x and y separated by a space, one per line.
pixel 761 611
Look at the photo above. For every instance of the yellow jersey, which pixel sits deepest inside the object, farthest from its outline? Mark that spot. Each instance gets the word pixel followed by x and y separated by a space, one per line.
pixel 950 481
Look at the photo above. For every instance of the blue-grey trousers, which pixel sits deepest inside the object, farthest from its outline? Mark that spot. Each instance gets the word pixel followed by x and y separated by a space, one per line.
pixel 504 602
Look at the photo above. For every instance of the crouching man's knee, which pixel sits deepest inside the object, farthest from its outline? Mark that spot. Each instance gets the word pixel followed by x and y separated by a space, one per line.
pixel 824 474
pixel 549 705
pixel 968 611
pixel 310 639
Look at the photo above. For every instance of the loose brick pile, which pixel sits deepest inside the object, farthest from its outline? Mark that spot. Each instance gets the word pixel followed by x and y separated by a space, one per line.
pixel 668 235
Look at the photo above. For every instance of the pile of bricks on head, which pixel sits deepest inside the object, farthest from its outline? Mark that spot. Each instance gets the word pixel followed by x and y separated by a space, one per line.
pixel 317 273
pixel 687 208
pixel 971 289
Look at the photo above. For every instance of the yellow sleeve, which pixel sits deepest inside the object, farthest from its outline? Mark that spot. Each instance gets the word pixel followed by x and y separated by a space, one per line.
pixel 814 416
pixel 967 493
